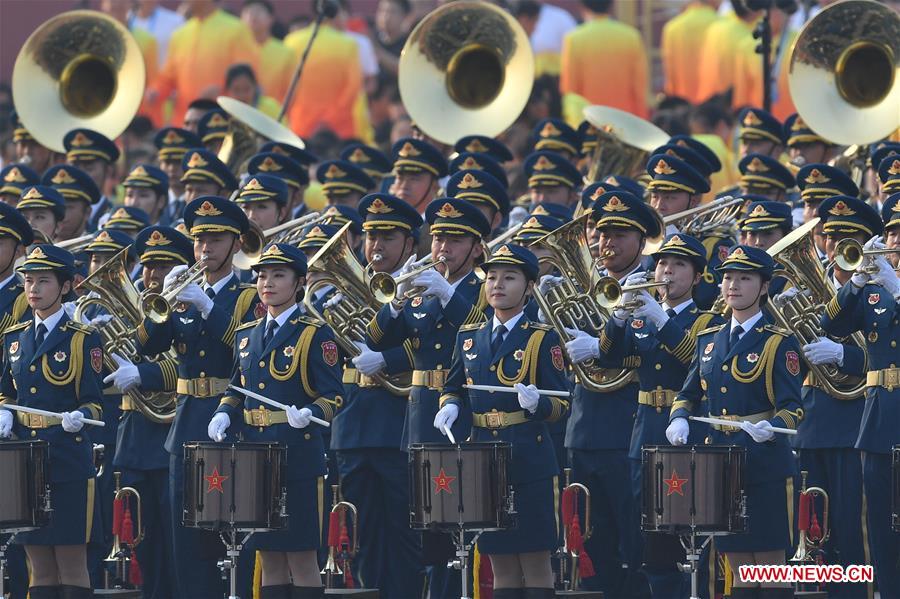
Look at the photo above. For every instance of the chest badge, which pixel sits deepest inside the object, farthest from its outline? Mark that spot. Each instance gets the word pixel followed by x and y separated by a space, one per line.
pixel 468 343
pixel 880 311
pixel 416 301
pixel 792 362
pixel 471 356
pixel 642 335
pixel 873 337
pixel 13 347
pixel 419 315
pixel 288 351
pixel 186 320
pixel 60 356
pixel 753 358
pixel 874 298
pixel 519 354
pixel 244 354
pixel 709 348
pixel 637 323
pixel 244 342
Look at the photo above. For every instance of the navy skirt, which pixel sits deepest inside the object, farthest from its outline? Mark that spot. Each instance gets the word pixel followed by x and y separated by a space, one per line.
pixel 74 519
pixel 537 517
pixel 770 515
pixel 305 502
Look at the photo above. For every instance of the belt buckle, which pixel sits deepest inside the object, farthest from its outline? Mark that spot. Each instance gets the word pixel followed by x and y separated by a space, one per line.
pixel 493 420
pixel 364 380
pixel 201 387
pixel 658 397
pixel 260 417
pixel 35 421
pixel 438 379
pixel 892 378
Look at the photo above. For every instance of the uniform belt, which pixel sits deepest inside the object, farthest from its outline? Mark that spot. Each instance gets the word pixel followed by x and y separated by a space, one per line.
pixel 658 398
pixel 127 404
pixel 37 420
pixel 203 386
pixel 495 420
pixel 752 418
pixel 352 376
pixel 889 378
pixel 264 417
pixel 433 379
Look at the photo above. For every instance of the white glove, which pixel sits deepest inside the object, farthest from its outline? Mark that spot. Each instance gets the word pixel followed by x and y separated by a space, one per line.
pixel 528 397
pixel 333 301
pixel 299 418
pixel 760 432
pixel 435 285
pixel 72 422
pixel 886 277
pixel 173 274
pixel 446 416
pixel 786 295
pixel 875 243
pixel 125 376
pixel 636 278
pixel 406 285
pixel 824 351
pixel 6 424
pixel 517 215
pixel 678 430
pixel 99 319
pixel 217 426
pixel 368 362
pixel 548 282
pixel 651 310
pixel 194 295
pixel 860 279
pixel 582 347
pixel 69 307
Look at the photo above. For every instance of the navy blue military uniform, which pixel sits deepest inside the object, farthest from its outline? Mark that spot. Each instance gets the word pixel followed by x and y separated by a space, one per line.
pixel 85 146
pixel 13 305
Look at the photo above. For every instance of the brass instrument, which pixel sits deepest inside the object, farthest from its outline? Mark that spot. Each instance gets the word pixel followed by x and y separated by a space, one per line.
pixel 122 551
pixel 571 554
pixel 502 238
pixel 609 292
pixel 651 244
pixel 714 218
pixel 336 265
pixel 255 239
pixel 158 306
pixel 573 303
pixel 339 551
pixel 116 295
pixel 812 536
pixel 624 142
pixel 384 286
pixel 843 72
pixel 81 68
pixel 246 127
pixel 850 256
pixel 800 265
pixel 76 244
pixel 467 68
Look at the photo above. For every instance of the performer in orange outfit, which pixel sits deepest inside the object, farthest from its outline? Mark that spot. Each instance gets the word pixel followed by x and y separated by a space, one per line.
pixel 719 51
pixel 276 59
pixel 682 43
pixel 748 79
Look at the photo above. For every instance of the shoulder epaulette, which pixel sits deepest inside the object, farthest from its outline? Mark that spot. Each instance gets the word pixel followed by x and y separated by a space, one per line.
pixel 315 322
pixel 712 329
pixel 246 286
pixel 248 325
pixel 777 330
pixel 16 327
pixel 78 326
pixel 472 327
pixel 540 326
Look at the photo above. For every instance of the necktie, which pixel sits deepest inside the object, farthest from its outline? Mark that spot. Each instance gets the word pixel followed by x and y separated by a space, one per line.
pixel 210 293
pixel 499 332
pixel 735 335
pixel 270 332
pixel 671 313
pixel 39 333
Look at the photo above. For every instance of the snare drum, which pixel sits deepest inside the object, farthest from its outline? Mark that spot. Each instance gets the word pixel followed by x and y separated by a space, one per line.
pixel 234 486
pixel 24 470
pixel 460 487
pixel 895 493
pixel 693 488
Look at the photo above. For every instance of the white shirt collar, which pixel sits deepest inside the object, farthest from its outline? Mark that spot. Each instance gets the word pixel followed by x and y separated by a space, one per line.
pixel 218 285
pixel 747 324
pixel 49 322
pixel 7 280
pixel 509 324
pixel 680 307
pixel 281 318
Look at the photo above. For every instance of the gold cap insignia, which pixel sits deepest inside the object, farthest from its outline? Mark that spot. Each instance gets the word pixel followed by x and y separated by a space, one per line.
pixel 316 232
pixel 756 166
pixel 751 120
pixel 841 208
pixel 816 176
pixel 662 168
pixel 207 209
pixel 253 185
pixel 379 207
pixel 273 250
pixel 63 177
pixel 532 223
pixel 120 213
pixel 612 180
pixel 798 124
pixel 614 204
pixel 37 254
pixel 358 156
pixel 543 164
pixel 676 241
pixel 407 150
pixel 80 140
pixel 104 237
pixel 597 193
pixel 157 238
pixel 196 161
pixel 476 146
pixel 469 182
pixel 334 172
pixel 895 207
pixel 550 130
pixel 894 168
pixel 540 211
pixel 333 211
pixel 759 211
pixel 738 253
pixel 139 171
pixel 470 163
pixel 14 176
pixel 33 194
pixel 504 250
pixel 448 211
pixel 269 165
pixel 217 120
pixel 182 228
pixel 172 138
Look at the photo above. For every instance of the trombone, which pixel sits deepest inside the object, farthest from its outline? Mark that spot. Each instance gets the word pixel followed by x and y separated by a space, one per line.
pixel 850 256
pixel 609 292
pixel 384 286
pixel 158 306
pixel 76 244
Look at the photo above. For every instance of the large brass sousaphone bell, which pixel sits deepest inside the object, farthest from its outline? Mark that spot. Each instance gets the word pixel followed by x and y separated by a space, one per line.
pixel 466 69
pixel 79 69
pixel 843 72
pixel 248 129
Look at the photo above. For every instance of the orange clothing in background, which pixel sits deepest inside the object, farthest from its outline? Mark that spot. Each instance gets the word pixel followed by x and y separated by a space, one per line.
pixel 605 62
pixel 147 44
pixel 200 53
pixel 748 79
pixel 681 46
pixel 331 82
pixel 716 62
pixel 277 68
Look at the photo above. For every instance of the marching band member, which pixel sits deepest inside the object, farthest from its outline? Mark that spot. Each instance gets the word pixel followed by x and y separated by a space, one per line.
pixel 201 329
pixel 128 220
pixel 508 351
pixel 760 133
pixel 54 363
pixel 805 146
pixel 486 146
pixel 339 216
pixel 311 241
pixel 13 179
pixel 44 208
pixel 418 168
pixel 212 129
pixel 263 198
pixel 147 188
pixel 599 432
pixel 749 371
pixel 890 214
pixel 172 144
pixel 80 193
pixel 551 179
pixel 96 155
pixel 764 225
pixel 764 176
pixel 889 175
pixel 303 370
pixel 368 428
pixel 818 182
pixel 15 237
pixel 343 183
pixel 372 161
pixel 205 175
pixel 867 302
pixel 283 166
pixel 28 149
pixel 484 191
pixel 872 180
pixel 556 136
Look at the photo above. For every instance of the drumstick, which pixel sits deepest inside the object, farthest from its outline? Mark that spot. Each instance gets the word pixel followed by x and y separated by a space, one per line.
pixel 27 410
pixel 737 424
pixel 273 403
pixel 449 434
pixel 546 392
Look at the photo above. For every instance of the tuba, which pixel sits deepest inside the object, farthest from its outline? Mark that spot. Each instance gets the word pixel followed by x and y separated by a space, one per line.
pixel 796 254
pixel 574 304
pixel 624 142
pixel 112 291
pixel 79 69
pixel 336 265
pixel 246 127
pixel 467 68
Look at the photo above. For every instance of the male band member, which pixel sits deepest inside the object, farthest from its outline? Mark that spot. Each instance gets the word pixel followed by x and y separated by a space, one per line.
pixel 127 219
pixel 556 136
pixel 890 214
pixel 760 133
pixel 95 154
pixel 13 179
pixel 205 175
pixel 804 145
pixel 418 167
pixel 212 129
pixel 818 182
pixel 749 372
pixel 344 183
pixel 871 180
pixel 201 329
pixel 284 167
pixel 263 198
pixel 889 175
pixel 15 237
pixel 44 208
pixel 765 176
pixel 372 161
pixel 147 188
pixel 552 179
pixel 80 193
pixel 467 161
pixel 172 144
pixel 483 145
pixel 766 223
pixel 28 150
pixel 484 191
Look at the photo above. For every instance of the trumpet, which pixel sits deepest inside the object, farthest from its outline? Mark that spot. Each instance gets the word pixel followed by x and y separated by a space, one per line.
pixel 609 292
pixel 849 255
pixel 255 239
pixel 158 306
pixel 384 286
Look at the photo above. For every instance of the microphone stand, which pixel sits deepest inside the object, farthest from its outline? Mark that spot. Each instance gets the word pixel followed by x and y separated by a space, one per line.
pixel 322 7
pixel 763 32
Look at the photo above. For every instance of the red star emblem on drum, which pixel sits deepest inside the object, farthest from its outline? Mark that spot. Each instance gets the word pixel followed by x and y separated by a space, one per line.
pixel 675 484
pixel 215 481
pixel 442 482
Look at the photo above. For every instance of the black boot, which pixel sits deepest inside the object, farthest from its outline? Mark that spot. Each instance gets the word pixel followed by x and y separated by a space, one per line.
pixel 43 592
pixel 275 591
pixel 307 592
pixel 537 593
pixel 744 593
pixel 67 591
pixel 509 594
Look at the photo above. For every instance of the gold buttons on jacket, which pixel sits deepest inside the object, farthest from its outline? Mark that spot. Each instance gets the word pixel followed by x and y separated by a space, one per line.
pixel 262 385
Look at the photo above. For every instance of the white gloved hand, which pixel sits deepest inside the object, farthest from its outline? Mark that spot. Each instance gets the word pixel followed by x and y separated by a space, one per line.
pixel 759 432
pixel 636 278
pixel 173 274
pixel 69 307
pixel 548 282
pixel 368 362
pixel 217 426
pixel 6 424
pixel 194 295
pixel 786 295
pixel 333 301
pixel 582 347
pixel 824 351
pixel 678 430
pixel 435 285
pixel 528 397
pixel 125 376
pixel 886 277
pixel 407 267
pixel 299 418
pixel 651 310
pixel 72 422
pixel 875 243
pixel 446 416
pixel 860 279
pixel 517 215
pixel 99 319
